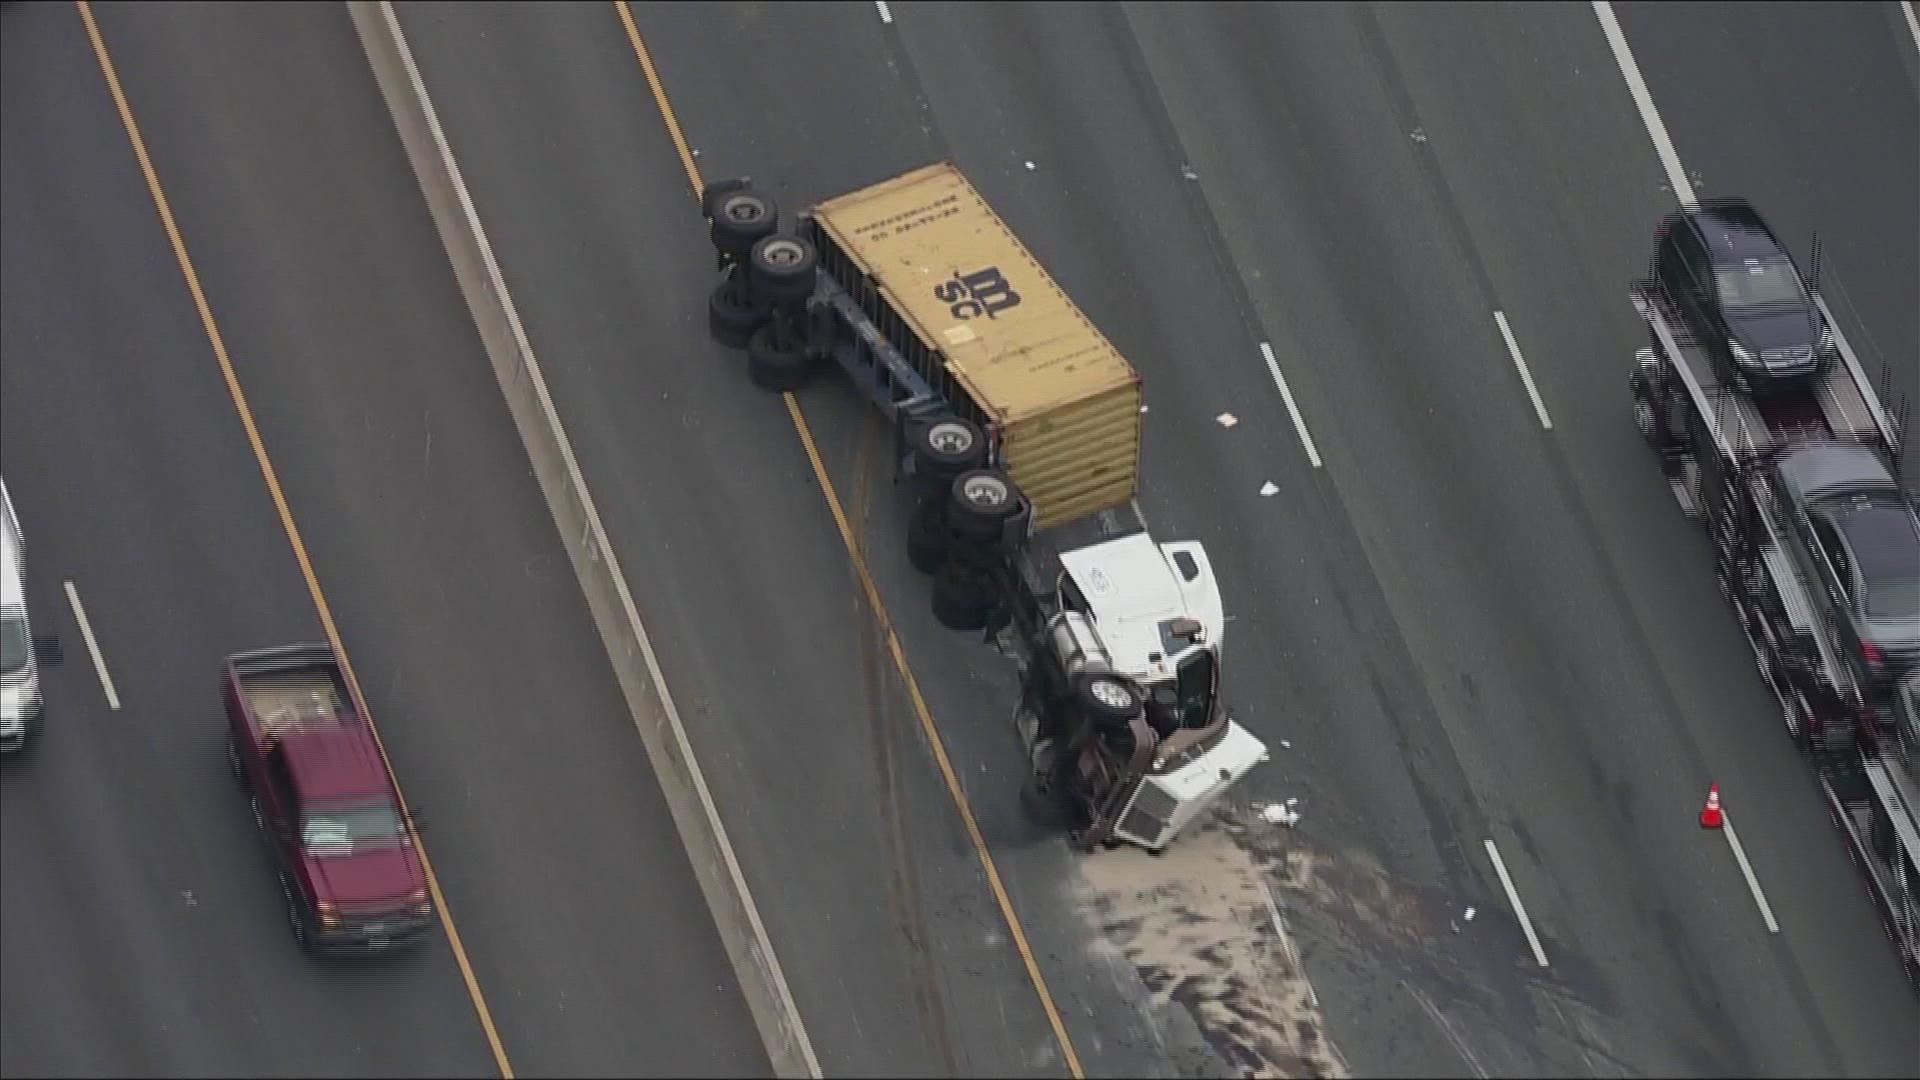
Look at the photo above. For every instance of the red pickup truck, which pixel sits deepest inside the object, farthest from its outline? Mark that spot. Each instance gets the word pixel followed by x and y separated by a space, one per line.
pixel 325 803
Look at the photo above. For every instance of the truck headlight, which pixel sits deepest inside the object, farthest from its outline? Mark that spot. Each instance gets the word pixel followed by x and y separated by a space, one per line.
pixel 1740 352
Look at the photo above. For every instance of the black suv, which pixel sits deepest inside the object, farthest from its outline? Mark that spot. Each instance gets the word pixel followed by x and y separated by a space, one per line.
pixel 1733 282
pixel 1858 537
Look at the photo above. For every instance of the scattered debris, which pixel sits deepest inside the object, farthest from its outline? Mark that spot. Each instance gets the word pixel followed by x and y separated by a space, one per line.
pixel 187 895
pixel 1469 915
pixel 1029 166
pixel 1418 135
pixel 1279 814
pixel 1226 419
pixel 1143 408
pixel 1187 171
pixel 1268 489
pixel 1287 743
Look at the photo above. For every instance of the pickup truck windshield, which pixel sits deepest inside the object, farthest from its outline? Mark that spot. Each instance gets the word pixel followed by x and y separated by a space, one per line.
pixel 343 830
pixel 13 644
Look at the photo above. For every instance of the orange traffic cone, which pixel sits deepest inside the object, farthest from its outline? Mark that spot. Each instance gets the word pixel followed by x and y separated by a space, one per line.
pixel 1710 817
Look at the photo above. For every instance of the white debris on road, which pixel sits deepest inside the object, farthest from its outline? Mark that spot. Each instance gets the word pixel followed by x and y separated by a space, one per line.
pixel 1226 419
pixel 1268 489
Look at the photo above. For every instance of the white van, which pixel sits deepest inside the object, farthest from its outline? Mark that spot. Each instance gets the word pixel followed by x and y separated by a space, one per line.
pixel 20 709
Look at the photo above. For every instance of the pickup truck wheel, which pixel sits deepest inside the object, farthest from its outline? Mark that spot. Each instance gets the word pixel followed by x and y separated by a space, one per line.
pixel 781 370
pixel 732 315
pixel 741 220
pixel 1646 414
pixel 980 501
pixel 781 268
pixel 962 596
pixel 927 541
pixel 944 446
pixel 1107 699
pixel 295 917
pixel 233 762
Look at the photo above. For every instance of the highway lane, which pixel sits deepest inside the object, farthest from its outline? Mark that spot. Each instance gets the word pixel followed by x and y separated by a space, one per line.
pixel 1537 649
pixel 890 937
pixel 141 932
pixel 761 121
pixel 425 527
pixel 1423 196
pixel 1811 111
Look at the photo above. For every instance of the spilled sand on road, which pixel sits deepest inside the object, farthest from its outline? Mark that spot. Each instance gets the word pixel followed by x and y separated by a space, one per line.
pixel 1197 926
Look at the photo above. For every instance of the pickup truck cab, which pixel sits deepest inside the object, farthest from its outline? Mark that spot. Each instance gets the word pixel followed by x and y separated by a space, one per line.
pixel 322 797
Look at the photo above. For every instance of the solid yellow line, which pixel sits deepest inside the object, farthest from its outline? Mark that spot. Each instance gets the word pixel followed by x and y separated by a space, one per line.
pixel 879 608
pixel 933 738
pixel 280 504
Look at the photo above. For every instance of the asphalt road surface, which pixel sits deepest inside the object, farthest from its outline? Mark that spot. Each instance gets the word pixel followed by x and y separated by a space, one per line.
pixel 1468 627
pixel 142 929
pixel 1458 626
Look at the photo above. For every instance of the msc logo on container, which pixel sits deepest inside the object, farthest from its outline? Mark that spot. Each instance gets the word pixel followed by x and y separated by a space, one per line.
pixel 983 292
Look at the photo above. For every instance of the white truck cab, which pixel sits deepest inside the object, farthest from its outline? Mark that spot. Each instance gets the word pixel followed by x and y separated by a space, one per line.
pixel 20 705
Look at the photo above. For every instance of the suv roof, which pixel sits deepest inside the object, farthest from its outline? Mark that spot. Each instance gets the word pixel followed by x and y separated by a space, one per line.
pixel 1734 231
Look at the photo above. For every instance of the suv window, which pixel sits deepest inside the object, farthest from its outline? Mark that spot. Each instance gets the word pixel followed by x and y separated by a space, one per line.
pixel 1758 283
pixel 1828 546
pixel 1695 272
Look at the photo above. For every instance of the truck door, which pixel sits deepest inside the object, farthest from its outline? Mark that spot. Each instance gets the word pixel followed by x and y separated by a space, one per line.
pixel 280 806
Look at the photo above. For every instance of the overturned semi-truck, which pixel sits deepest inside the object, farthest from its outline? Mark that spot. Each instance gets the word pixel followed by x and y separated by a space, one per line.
pixel 1018 424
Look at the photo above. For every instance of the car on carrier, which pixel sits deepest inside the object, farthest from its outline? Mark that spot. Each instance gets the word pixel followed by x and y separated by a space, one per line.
pixel 1741 294
pixel 1856 533
pixel 302 748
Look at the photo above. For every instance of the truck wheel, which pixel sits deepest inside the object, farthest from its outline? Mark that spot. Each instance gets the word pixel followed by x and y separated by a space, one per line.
pixel 233 762
pixel 781 269
pixel 980 501
pixel 733 315
pixel 927 541
pixel 1646 414
pixel 740 221
pixel 946 446
pixel 962 596
pixel 1107 699
pixel 295 917
pixel 781 370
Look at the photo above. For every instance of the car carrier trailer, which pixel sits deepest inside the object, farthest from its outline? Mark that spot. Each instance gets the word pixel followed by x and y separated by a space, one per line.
pixel 1018 425
pixel 1729 457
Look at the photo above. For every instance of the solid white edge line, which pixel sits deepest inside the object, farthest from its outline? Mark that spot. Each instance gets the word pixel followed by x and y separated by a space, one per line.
pixel 886 13
pixel 93 647
pixel 1753 883
pixel 1286 942
pixel 1299 425
pixel 1913 22
pixel 1519 909
pixel 1643 100
pixel 1513 348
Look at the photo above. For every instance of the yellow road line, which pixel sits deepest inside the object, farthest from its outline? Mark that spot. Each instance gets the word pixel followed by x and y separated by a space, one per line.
pixel 878 607
pixel 280 504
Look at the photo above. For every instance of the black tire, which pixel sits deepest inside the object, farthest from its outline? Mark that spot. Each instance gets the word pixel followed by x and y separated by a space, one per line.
pixel 928 543
pixel 962 596
pixel 742 219
pixel 1646 415
pixel 781 370
pixel 781 269
pixel 733 315
pixel 979 502
pixel 233 762
pixel 296 918
pixel 1109 700
pixel 946 446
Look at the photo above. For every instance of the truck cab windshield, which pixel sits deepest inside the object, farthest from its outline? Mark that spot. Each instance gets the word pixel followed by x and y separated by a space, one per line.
pixel 344 830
